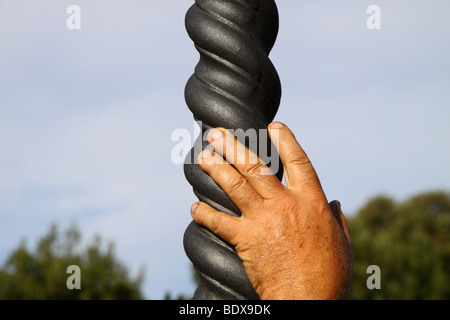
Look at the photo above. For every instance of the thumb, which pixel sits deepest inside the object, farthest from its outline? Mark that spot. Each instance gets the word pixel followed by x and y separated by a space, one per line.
pixel 299 171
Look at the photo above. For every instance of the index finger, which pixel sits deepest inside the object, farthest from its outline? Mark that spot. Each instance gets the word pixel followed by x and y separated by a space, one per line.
pixel 249 165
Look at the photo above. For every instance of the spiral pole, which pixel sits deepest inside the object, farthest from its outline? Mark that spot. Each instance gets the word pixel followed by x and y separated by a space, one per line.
pixel 235 86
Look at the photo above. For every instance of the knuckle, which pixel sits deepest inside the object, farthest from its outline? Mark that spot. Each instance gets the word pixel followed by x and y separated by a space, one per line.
pixel 253 169
pixel 297 158
pixel 215 221
pixel 236 185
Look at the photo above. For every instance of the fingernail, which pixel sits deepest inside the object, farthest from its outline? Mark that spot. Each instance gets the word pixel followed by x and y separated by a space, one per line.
pixel 194 207
pixel 277 125
pixel 206 154
pixel 215 135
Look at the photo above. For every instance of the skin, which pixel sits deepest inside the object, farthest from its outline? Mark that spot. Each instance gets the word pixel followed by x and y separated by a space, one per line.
pixel 293 243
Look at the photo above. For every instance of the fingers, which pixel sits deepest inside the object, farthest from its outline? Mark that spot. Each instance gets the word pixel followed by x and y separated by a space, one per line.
pixel 249 165
pixel 335 207
pixel 230 180
pixel 299 171
pixel 221 224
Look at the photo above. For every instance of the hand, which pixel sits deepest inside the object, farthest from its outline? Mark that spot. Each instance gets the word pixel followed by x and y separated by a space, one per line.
pixel 294 245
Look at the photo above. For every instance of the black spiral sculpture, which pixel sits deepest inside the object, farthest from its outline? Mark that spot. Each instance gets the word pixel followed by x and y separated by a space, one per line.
pixel 235 86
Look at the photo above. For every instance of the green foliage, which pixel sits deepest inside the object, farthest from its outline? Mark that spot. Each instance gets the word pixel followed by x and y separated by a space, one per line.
pixel 42 274
pixel 409 241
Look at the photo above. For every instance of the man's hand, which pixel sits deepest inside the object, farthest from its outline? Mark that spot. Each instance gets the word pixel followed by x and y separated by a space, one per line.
pixel 294 245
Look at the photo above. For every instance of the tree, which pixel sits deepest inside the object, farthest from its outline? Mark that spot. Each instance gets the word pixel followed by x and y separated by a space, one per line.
pixel 42 274
pixel 409 241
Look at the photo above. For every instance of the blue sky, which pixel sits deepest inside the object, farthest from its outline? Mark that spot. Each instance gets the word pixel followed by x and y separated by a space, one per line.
pixel 86 116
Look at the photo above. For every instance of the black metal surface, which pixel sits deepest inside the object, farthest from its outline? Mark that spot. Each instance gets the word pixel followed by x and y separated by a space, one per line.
pixel 234 86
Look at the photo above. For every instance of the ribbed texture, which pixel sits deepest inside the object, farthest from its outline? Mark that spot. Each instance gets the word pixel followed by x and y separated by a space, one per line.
pixel 234 86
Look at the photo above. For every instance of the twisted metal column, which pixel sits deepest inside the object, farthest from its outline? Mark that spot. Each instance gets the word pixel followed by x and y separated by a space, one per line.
pixel 234 86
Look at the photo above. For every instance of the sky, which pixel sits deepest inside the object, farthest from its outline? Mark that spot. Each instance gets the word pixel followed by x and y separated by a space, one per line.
pixel 87 115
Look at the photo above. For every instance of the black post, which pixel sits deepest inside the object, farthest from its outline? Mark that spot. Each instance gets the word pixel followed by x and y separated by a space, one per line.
pixel 234 86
